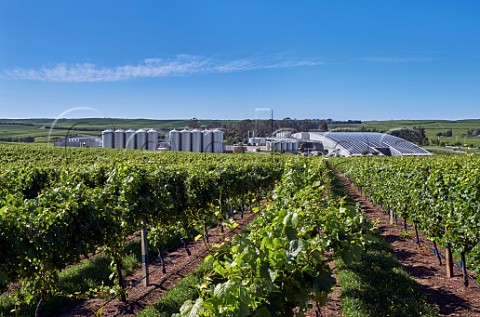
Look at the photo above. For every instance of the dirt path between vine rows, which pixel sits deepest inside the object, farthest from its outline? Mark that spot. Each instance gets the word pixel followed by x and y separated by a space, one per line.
pixel 178 265
pixel 449 295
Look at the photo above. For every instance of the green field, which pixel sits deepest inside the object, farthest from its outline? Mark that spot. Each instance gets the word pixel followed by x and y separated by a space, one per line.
pixel 432 127
pixel 40 129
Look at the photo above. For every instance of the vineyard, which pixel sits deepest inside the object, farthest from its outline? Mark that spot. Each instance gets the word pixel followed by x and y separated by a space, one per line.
pixel 62 207
pixel 282 264
pixel 58 207
pixel 438 196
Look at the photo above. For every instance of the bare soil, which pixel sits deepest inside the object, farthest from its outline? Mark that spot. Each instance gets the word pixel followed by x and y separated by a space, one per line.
pixel 449 295
pixel 333 307
pixel 178 265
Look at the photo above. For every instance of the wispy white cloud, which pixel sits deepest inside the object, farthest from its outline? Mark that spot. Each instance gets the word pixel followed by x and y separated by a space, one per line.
pixel 397 60
pixel 181 65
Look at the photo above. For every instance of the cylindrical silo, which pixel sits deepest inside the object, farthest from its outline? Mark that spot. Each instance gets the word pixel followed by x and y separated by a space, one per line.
pixel 141 139
pixel 207 141
pixel 119 139
pixel 152 137
pixel 130 139
pixel 196 140
pixel 107 139
pixel 269 145
pixel 217 141
pixel 295 147
pixel 174 137
pixel 289 146
pixel 186 143
pixel 278 147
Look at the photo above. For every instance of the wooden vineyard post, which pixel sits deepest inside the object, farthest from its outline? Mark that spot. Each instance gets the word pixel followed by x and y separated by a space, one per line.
pixel 448 258
pixel 392 217
pixel 144 243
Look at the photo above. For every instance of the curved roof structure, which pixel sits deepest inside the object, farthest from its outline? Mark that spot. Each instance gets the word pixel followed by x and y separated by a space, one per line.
pixel 359 143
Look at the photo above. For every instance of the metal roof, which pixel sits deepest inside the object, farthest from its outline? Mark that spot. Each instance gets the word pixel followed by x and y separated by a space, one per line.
pixel 357 143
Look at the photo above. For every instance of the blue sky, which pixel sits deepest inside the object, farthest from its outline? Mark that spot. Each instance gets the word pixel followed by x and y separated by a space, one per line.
pixel 352 59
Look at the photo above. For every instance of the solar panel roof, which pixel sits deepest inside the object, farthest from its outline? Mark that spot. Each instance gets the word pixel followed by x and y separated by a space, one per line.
pixel 356 143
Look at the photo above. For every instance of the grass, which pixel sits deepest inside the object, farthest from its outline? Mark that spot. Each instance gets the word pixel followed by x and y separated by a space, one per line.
pixel 432 127
pixel 458 150
pixel 184 290
pixel 86 275
pixel 376 284
pixel 40 128
pixel 77 278
pixel 20 128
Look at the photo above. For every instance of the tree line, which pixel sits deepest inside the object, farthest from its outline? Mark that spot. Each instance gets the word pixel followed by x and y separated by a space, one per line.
pixel 239 131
